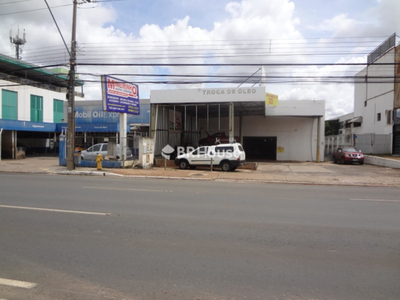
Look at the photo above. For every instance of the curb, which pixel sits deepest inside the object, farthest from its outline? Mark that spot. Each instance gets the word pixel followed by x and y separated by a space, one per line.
pixel 98 173
pixel 86 173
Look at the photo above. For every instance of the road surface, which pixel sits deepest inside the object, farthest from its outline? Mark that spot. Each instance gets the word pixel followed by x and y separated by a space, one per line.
pixel 77 237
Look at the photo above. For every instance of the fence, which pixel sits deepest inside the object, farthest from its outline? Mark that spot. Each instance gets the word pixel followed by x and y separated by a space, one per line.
pixel 369 143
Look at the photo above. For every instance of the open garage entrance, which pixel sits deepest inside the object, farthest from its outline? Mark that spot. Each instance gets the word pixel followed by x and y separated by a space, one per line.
pixel 260 148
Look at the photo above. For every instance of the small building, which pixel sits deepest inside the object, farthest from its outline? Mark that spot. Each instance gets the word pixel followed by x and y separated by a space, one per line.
pixel 31 104
pixel 290 131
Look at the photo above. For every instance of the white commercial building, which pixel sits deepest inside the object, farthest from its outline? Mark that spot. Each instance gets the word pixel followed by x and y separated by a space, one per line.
pixel 290 131
pixel 375 125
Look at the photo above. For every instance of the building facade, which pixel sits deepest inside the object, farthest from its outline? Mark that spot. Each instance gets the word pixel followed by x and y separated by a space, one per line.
pixel 31 105
pixel 289 131
pixel 374 126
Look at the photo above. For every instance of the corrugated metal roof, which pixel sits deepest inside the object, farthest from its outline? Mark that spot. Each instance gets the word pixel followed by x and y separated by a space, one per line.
pixel 19 68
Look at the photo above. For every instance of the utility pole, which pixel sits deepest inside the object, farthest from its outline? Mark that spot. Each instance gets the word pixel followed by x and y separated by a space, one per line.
pixel 17 42
pixel 71 96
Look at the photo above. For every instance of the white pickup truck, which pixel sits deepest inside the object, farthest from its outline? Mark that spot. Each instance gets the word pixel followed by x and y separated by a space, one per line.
pixel 226 156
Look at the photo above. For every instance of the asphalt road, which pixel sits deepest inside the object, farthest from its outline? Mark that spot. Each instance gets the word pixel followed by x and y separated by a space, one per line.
pixel 119 238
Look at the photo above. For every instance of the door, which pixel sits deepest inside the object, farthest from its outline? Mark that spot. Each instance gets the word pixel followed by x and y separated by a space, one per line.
pixel 200 157
pixel 92 152
pixel 260 148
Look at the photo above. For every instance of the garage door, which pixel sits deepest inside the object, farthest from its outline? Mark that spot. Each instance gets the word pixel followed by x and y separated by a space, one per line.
pixel 260 148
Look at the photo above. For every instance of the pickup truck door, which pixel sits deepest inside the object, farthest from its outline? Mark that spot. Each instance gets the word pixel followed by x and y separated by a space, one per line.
pixel 199 157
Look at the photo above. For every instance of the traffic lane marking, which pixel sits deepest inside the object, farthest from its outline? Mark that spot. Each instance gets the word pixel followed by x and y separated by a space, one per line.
pixel 122 189
pixel 17 283
pixel 375 200
pixel 56 210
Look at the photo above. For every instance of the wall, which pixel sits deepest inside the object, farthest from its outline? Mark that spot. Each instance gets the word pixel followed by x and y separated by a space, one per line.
pixel 297 135
pixel 24 100
pixel 379 96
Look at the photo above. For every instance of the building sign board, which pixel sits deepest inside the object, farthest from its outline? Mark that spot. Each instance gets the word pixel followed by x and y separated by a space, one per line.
pixel 120 96
pixel 209 95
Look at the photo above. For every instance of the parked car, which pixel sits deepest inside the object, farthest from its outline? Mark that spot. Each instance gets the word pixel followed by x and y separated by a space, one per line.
pixel 216 138
pixel 102 148
pixel 348 155
pixel 226 156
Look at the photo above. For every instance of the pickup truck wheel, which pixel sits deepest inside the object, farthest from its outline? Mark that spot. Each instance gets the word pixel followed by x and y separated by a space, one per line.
pixel 183 164
pixel 225 166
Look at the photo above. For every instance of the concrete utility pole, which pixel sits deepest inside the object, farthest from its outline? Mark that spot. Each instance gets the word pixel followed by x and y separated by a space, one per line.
pixel 71 96
pixel 17 42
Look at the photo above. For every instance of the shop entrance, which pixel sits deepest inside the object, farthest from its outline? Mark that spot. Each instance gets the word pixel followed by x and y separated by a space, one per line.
pixel 260 148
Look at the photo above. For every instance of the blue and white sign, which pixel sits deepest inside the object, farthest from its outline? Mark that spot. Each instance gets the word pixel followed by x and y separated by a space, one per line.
pixel 27 126
pixel 94 114
pixel 120 96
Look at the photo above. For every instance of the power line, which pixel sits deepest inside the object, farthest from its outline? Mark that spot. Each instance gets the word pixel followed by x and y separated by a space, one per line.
pixel 37 9
pixel 13 2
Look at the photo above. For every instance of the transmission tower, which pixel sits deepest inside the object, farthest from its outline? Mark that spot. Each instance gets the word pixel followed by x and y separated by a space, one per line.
pixel 17 43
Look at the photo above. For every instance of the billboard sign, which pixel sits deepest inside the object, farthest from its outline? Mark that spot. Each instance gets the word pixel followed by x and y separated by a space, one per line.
pixel 120 96
pixel 271 100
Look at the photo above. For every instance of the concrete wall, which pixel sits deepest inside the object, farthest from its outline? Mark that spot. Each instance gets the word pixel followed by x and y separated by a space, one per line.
pixel 383 162
pixel 297 136
pixel 24 100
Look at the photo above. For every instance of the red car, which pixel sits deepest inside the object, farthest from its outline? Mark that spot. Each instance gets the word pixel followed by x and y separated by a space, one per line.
pixel 216 138
pixel 348 155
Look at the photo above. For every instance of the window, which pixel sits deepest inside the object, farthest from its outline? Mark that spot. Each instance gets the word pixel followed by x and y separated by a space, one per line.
pixel 36 108
pixel 96 148
pixel 378 117
pixel 58 111
pixel 224 149
pixel 9 105
pixel 105 147
pixel 388 117
pixel 357 124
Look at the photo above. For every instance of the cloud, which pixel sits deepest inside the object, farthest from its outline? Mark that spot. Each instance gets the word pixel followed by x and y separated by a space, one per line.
pixel 252 31
pixel 380 20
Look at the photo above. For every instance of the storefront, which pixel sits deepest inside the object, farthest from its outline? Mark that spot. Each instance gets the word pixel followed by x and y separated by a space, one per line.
pixel 288 131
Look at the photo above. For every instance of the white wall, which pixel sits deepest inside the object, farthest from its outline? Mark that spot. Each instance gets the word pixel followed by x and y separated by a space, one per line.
pixel 297 135
pixel 24 100
pixel 379 96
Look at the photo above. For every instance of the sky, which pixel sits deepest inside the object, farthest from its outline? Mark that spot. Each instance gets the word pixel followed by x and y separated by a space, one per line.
pixel 209 31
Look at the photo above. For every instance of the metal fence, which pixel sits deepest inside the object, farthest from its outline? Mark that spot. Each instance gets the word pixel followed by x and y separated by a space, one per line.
pixel 369 143
pixel 382 49
pixel 372 143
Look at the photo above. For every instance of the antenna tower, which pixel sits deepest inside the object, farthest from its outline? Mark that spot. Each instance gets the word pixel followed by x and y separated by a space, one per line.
pixel 17 43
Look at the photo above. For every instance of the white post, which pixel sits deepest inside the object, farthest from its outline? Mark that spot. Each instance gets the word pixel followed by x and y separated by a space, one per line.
pixel 122 135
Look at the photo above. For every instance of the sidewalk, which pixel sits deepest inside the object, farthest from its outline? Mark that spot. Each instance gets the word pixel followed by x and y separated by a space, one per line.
pixel 311 173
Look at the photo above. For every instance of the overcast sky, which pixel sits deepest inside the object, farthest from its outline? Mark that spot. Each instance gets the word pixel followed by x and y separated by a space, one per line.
pixel 210 31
